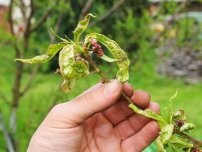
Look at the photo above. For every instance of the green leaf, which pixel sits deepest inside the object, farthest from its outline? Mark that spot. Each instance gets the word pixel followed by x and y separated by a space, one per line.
pixel 171 106
pixel 166 133
pixel 67 85
pixel 179 144
pixel 148 113
pixel 52 50
pixel 108 59
pixel 123 61
pixel 187 127
pixel 70 68
pixel 160 145
pixel 62 39
pixel 81 27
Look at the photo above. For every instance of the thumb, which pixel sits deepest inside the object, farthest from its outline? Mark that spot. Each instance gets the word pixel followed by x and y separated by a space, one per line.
pixel 74 112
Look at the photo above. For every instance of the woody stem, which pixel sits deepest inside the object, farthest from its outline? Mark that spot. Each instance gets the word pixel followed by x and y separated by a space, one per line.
pixel 102 75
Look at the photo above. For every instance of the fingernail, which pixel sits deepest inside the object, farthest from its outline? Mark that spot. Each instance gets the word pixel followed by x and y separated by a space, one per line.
pixel 111 87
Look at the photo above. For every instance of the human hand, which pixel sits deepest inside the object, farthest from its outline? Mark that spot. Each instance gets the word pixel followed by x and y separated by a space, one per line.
pixel 98 120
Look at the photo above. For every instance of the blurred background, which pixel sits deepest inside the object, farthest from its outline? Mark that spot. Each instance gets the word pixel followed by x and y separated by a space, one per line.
pixel 163 39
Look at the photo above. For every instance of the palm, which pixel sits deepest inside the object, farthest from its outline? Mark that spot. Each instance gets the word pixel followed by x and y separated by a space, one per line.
pixel 117 129
pixel 108 126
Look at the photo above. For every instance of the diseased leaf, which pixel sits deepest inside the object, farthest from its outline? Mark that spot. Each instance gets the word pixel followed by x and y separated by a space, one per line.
pixel 171 106
pixel 180 144
pixel 81 27
pixel 52 50
pixel 62 39
pixel 187 127
pixel 166 133
pixel 123 61
pixel 67 85
pixel 179 115
pixel 71 68
pixel 108 59
pixel 160 145
pixel 148 113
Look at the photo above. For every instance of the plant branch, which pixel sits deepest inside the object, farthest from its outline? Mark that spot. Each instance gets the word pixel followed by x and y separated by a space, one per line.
pixel 109 12
pixel 44 17
pixel 4 98
pixel 10 145
pixel 183 135
pixel 10 17
pixel 102 75
pixel 86 8
pixel 29 83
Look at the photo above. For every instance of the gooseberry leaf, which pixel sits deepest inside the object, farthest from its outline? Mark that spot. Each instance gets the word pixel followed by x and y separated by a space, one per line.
pixel 51 52
pixel 119 54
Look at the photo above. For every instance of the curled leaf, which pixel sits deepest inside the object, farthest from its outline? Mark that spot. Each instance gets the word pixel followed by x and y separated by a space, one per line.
pixel 171 106
pixel 180 144
pixel 52 50
pixel 166 133
pixel 187 127
pixel 81 27
pixel 148 113
pixel 121 57
pixel 108 59
pixel 71 68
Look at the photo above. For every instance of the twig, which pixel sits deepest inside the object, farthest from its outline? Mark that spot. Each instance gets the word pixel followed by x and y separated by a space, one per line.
pixel 103 76
pixel 22 9
pixel 10 17
pixel 29 83
pixel 109 12
pixel 27 32
pixel 86 8
pixel 183 135
pixel 43 18
pixel 4 98
pixel 10 145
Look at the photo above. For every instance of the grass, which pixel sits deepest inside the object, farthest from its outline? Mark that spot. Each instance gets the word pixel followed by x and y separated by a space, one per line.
pixel 45 93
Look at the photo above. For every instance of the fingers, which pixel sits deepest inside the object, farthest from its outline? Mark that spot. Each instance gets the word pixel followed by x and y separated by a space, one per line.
pixel 138 121
pixel 120 111
pixel 92 101
pixel 134 123
pixel 142 139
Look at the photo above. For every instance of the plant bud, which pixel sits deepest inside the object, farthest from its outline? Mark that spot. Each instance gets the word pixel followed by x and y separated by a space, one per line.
pixel 93 41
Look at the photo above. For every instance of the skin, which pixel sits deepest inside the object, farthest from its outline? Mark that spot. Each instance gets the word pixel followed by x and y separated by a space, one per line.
pixel 98 120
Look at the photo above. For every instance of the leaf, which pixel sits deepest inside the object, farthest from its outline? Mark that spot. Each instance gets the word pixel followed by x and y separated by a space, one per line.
pixel 187 127
pixel 179 115
pixel 52 50
pixel 81 27
pixel 108 59
pixel 179 144
pixel 174 96
pixel 70 68
pixel 166 133
pixel 62 39
pixel 123 61
pixel 67 85
pixel 170 111
pixel 148 113
pixel 160 145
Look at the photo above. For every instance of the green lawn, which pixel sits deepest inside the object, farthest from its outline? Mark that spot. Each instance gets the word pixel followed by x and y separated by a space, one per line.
pixel 45 93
